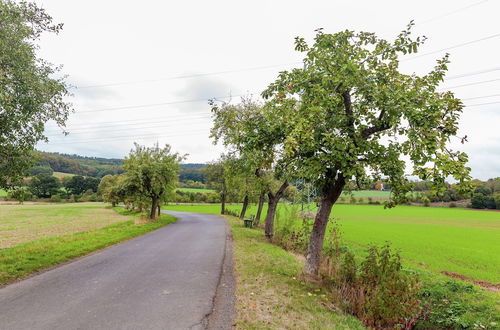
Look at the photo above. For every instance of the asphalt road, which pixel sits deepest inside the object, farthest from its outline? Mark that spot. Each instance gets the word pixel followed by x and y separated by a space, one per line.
pixel 166 279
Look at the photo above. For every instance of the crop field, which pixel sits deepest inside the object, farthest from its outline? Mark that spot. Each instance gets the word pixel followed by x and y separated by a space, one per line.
pixel 461 241
pixel 195 190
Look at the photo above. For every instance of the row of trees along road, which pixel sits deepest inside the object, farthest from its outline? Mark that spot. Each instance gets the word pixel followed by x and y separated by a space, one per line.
pixel 349 115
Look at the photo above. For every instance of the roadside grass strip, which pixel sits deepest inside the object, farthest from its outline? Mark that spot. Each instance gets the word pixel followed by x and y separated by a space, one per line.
pixel 271 295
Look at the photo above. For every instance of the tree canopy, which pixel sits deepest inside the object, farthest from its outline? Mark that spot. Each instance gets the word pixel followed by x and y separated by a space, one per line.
pixel 30 94
pixel 153 172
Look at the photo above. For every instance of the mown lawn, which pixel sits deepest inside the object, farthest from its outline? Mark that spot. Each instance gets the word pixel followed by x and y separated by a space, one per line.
pixel 73 238
pixel 271 295
pixel 462 241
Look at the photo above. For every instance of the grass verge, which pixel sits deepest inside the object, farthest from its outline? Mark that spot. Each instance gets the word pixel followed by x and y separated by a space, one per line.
pixel 270 295
pixel 26 258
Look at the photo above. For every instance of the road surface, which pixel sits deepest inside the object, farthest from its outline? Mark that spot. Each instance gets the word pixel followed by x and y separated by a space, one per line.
pixel 165 279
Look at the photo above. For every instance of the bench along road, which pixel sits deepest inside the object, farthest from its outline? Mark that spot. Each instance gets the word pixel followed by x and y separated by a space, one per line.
pixel 165 279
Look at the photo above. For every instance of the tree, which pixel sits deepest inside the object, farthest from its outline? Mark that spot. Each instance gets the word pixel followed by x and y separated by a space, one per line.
pixel 29 95
pixel 215 174
pixel 108 189
pixel 44 186
pixel 248 134
pixel 350 115
pixel 154 172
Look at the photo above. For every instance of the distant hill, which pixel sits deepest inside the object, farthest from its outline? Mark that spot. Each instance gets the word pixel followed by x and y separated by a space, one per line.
pixel 99 167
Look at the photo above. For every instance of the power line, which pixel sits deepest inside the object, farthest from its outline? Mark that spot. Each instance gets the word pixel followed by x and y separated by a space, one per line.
pixel 480 104
pixel 121 138
pixel 453 47
pixel 452 12
pixel 474 83
pixel 480 97
pixel 472 73
pixel 149 105
pixel 190 76
pixel 97 129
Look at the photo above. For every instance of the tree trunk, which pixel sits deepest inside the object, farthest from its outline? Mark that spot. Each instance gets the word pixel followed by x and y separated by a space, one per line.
pixel 223 203
pixel 271 209
pixel 329 196
pixel 259 208
pixel 271 212
pixel 154 206
pixel 159 209
pixel 244 209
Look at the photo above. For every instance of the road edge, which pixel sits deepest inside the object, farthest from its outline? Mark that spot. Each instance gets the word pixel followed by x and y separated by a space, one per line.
pixel 223 309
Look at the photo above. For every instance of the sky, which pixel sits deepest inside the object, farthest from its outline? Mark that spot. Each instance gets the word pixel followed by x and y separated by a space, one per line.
pixel 143 71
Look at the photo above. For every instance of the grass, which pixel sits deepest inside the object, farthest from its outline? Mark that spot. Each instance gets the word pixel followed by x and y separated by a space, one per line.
pixel 269 293
pixel 23 259
pixel 27 222
pixel 439 239
pixel 61 175
pixel 369 193
pixel 3 193
pixel 195 190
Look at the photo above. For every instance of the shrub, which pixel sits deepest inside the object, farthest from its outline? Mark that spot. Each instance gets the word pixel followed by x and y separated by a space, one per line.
pixel 452 205
pixel 21 195
pixel 88 196
pixel 378 292
pixel 370 200
pixel 353 200
pixel 426 201
pixel 480 201
pixel 55 198
pixel 361 200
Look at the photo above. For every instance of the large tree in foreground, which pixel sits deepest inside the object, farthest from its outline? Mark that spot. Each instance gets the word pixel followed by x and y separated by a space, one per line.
pixel 30 95
pixel 350 114
pixel 153 172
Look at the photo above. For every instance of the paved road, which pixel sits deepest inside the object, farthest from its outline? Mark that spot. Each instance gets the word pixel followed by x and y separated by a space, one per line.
pixel 163 280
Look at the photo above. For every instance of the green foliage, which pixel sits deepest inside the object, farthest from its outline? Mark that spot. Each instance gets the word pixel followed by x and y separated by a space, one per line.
pixel 78 184
pixel 483 190
pixel 39 170
pixel 351 84
pixel 55 198
pixel 20 194
pixel 151 174
pixel 44 186
pixel 480 201
pixel 29 95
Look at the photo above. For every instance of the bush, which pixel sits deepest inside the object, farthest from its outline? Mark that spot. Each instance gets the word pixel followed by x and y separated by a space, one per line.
pixel 55 198
pixel 378 292
pixel 452 205
pixel 426 201
pixel 481 201
pixel 21 195
pixel 88 196
pixel 353 200
pixel 497 201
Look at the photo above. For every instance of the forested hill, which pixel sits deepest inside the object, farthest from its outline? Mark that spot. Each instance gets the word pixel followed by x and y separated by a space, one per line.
pixel 98 166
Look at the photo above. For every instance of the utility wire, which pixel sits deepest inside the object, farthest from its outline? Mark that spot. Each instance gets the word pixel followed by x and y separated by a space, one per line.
pixel 452 12
pixel 190 75
pixel 473 83
pixel 453 47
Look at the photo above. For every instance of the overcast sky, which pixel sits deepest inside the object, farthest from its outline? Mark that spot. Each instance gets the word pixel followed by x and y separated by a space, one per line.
pixel 134 63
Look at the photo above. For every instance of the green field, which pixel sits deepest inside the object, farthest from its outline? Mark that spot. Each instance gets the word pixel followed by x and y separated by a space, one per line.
pixel 369 193
pixel 462 241
pixel 61 175
pixel 195 190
